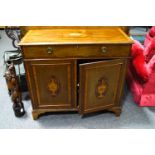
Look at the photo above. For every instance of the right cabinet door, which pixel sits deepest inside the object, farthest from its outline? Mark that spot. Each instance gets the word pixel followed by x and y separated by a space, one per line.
pixel 101 85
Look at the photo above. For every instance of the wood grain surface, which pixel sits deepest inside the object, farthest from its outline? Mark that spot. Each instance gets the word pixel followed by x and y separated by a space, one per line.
pixel 104 35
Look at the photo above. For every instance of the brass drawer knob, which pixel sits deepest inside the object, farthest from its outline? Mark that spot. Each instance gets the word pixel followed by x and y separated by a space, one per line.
pixel 49 50
pixel 104 49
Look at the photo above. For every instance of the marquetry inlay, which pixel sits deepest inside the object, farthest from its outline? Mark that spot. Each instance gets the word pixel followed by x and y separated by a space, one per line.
pixel 54 86
pixel 101 88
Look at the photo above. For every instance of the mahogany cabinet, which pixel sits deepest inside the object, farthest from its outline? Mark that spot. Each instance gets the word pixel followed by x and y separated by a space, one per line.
pixel 76 69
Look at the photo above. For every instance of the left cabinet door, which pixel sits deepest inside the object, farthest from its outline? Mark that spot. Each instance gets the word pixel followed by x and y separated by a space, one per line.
pixel 52 84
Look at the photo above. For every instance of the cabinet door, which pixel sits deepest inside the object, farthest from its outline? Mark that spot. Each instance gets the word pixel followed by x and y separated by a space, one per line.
pixel 101 85
pixel 52 83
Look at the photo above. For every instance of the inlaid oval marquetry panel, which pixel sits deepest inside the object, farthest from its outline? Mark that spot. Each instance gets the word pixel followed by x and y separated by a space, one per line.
pixel 54 86
pixel 101 88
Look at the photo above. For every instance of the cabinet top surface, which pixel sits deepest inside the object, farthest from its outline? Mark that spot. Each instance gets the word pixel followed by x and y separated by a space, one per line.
pixel 104 35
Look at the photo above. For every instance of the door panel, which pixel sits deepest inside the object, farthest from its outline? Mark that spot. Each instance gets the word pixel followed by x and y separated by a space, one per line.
pixel 53 83
pixel 99 82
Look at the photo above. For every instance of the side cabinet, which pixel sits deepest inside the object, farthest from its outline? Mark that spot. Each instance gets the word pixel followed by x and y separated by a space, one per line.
pixel 52 85
pixel 81 69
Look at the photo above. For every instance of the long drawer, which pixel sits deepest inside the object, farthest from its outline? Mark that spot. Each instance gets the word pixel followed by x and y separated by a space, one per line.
pixel 75 51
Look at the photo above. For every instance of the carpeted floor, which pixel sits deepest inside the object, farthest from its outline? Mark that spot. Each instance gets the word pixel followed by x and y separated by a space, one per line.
pixel 132 116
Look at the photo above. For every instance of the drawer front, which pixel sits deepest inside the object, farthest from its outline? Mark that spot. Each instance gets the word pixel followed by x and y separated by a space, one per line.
pixel 33 52
pixel 76 51
pixel 104 50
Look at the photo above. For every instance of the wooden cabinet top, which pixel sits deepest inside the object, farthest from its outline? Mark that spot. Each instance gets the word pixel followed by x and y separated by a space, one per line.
pixel 103 35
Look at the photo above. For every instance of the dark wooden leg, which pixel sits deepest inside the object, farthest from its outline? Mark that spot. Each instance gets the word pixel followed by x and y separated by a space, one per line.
pixel 116 110
pixel 14 90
